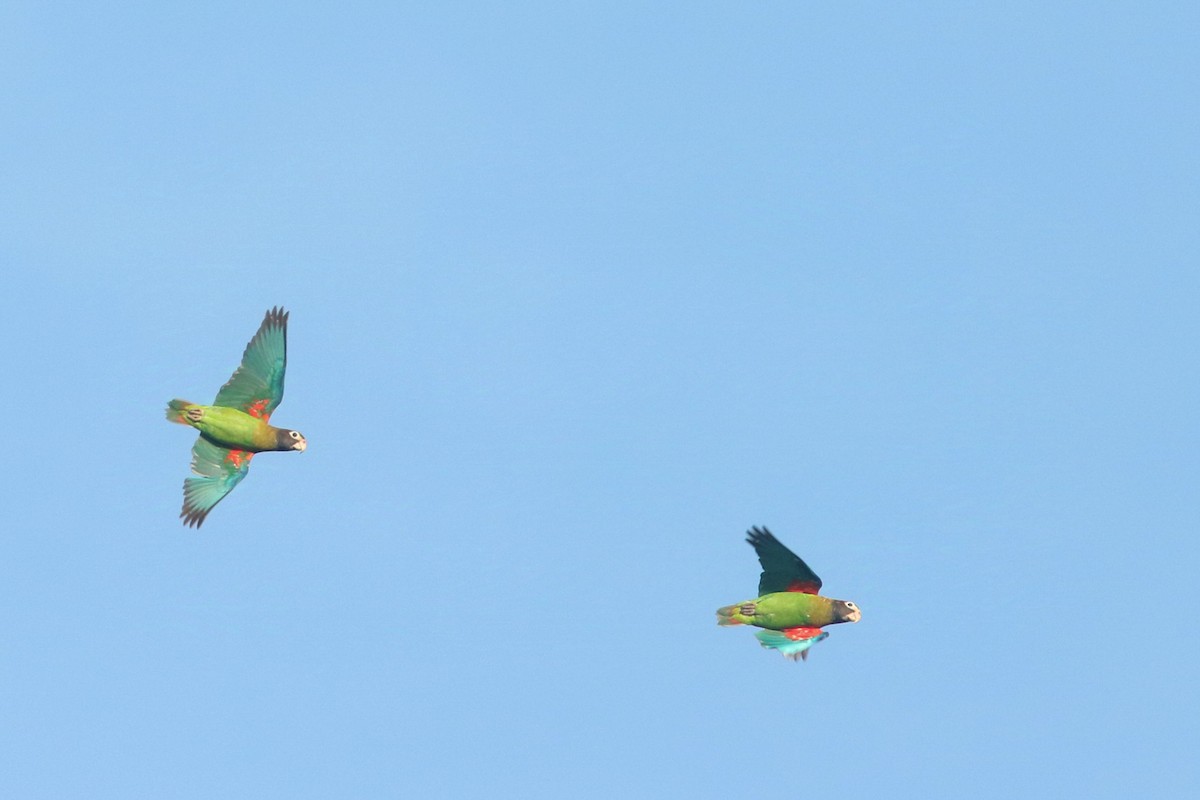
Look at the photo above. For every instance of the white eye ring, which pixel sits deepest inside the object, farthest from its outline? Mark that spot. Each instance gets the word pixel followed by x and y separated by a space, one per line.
pixel 294 435
pixel 851 605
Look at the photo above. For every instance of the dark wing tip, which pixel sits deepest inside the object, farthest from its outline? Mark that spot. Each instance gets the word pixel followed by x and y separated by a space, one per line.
pixel 192 517
pixel 276 317
pixel 756 536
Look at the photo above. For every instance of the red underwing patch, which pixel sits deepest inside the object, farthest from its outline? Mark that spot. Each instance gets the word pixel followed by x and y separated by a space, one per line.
pixel 256 409
pixel 239 458
pixel 800 633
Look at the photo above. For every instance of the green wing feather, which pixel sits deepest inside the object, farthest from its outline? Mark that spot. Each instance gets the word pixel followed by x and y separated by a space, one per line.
pixel 783 570
pixel 257 385
pixel 219 470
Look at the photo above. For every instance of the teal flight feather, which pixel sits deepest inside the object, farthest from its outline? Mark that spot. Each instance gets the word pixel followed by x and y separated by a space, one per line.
pixel 219 470
pixel 260 376
pixel 792 649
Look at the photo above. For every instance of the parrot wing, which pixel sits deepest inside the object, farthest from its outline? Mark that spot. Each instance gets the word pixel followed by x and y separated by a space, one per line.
pixel 219 470
pixel 793 642
pixel 783 570
pixel 257 385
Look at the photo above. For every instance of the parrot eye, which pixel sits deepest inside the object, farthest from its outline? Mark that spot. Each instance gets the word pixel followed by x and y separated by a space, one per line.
pixel 294 434
pixel 851 605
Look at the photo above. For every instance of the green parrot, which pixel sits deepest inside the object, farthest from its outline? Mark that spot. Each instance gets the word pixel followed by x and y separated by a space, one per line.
pixel 235 427
pixel 788 606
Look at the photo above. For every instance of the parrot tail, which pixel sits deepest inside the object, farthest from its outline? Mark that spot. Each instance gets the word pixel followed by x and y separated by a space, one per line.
pixel 728 615
pixel 792 648
pixel 176 409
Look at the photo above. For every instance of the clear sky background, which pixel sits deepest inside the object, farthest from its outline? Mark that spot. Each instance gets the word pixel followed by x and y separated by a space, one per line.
pixel 579 292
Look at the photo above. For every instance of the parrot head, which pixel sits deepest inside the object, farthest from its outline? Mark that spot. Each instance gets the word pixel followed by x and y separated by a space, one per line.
pixel 845 611
pixel 291 440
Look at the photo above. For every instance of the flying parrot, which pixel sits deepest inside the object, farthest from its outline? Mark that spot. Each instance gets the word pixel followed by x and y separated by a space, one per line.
pixel 788 607
pixel 235 427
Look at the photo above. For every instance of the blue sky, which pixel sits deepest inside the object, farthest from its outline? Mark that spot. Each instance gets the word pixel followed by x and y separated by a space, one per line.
pixel 579 293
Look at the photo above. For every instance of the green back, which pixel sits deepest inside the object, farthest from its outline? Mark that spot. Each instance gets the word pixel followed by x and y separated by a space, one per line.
pixel 234 428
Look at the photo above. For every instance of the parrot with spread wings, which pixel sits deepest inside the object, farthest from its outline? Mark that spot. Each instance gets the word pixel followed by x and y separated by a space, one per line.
pixel 788 607
pixel 235 427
